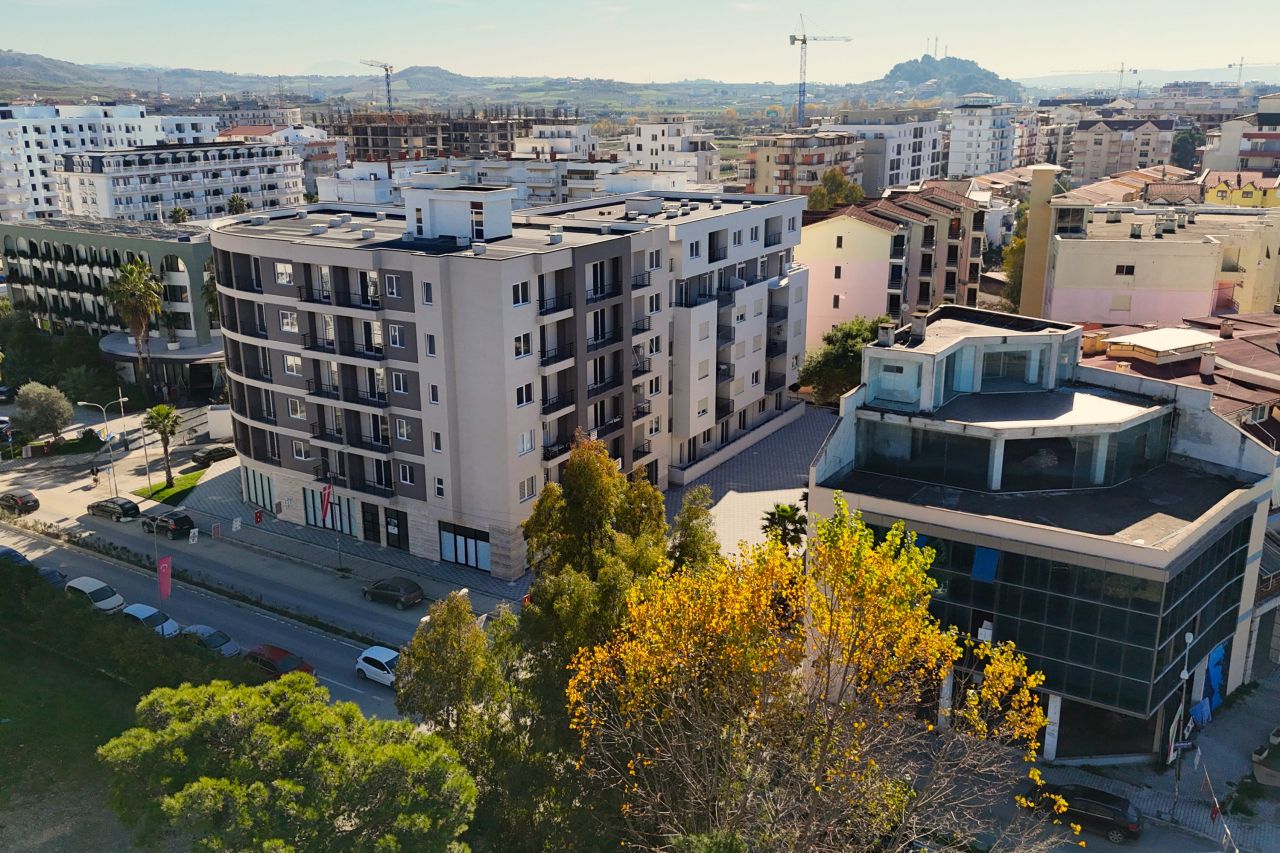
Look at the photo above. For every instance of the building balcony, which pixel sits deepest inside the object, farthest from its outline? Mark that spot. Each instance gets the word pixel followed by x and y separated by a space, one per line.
pixel 694 299
pixel 328 433
pixel 897 253
pixel 555 355
pixel 599 294
pixel 724 372
pixel 551 405
pixel 374 489
pixel 772 239
pixel 773 349
pixel 360 349
pixel 724 407
pixel 364 299
pixel 642 325
pixel 555 449
pixel 613 337
pixel 557 302
pixel 774 382
pixel 378 444
pixel 778 314
pixel 642 409
pixel 366 397
pixel 607 428
pixel 641 279
pixel 641 367
pixel 724 334
pixel 318 343
pixel 316 388
pixel 642 448
pixel 604 385
pixel 717 253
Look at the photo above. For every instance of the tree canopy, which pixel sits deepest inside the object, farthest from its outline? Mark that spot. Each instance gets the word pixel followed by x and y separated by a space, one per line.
pixel 165 421
pixel 836 366
pixel 42 410
pixel 135 295
pixel 280 767
pixel 1186 145
pixel 236 205
pixel 835 190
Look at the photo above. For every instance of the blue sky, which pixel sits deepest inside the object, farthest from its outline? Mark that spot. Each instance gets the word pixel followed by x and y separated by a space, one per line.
pixel 635 40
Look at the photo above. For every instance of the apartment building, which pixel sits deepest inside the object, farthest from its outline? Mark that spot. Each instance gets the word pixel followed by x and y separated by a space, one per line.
pixel 398 136
pixel 239 113
pixel 1102 147
pixel 794 163
pixel 321 155
pixel 558 142
pixel 899 146
pixel 145 183
pixel 1240 189
pixel 1108 523
pixel 34 138
pixel 60 268
pixel 432 361
pixel 981 138
pixel 674 142
pixel 1026 140
pixel 1249 143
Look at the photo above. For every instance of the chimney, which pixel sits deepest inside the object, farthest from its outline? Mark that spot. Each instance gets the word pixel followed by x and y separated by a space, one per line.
pixel 1226 329
pixel 1135 231
pixel 1208 361
pixel 919 326
pixel 884 335
pixel 1182 220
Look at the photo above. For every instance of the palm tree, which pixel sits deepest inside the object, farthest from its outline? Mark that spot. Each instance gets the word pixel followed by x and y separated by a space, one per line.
pixel 165 421
pixel 135 295
pixel 237 205
pixel 178 215
pixel 786 523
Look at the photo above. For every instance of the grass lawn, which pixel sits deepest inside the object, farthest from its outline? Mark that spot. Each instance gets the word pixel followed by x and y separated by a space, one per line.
pixel 182 485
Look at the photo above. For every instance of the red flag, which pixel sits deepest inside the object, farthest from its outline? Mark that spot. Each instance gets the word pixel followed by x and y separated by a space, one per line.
pixel 1215 811
pixel 326 492
pixel 164 572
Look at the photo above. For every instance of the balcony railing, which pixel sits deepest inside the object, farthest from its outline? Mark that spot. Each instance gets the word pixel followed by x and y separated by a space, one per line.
pixel 307 293
pixel 641 367
pixel 362 299
pixel 371 442
pixel 897 253
pixel 316 388
pixel 375 489
pixel 718 253
pixel 606 384
pixel 693 300
pixel 602 293
pixel 724 334
pixel 724 408
pixel 556 449
pixel 555 355
pixel 642 325
pixel 642 409
pixel 642 448
pixel 613 337
pixel 724 371
pixel 556 403
pixel 318 343
pixel 772 239
pixel 328 432
pixel 773 349
pixel 371 351
pixel 641 279
pixel 774 382
pixel 777 313
pixel 557 302
pixel 607 428
pixel 367 397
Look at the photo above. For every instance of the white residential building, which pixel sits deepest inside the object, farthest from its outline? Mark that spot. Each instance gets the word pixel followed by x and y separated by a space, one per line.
pixel 321 154
pixel 981 136
pixel 33 139
pixel 145 183
pixel 433 360
pixel 899 146
pixel 558 142
pixel 674 142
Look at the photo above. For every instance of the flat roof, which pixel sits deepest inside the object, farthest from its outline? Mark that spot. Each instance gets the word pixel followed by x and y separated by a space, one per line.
pixel 1166 340
pixel 186 233
pixel 613 208
pixel 1152 510
pixel 1062 407
pixel 1208 223
pixel 951 323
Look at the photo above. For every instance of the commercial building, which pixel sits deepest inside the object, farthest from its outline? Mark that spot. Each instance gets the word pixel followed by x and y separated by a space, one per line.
pixel 674 143
pixel 33 140
pixel 794 163
pixel 889 256
pixel 1107 523
pixel 146 183
pixel 439 356
pixel 899 146
pixel 981 138
pixel 60 269
pixel 1102 147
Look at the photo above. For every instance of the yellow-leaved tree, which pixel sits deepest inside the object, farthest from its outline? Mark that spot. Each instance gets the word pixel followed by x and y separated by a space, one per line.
pixel 751 704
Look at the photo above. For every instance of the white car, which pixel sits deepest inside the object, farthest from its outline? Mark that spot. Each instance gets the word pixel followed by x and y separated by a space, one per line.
pixel 156 620
pixel 101 596
pixel 378 663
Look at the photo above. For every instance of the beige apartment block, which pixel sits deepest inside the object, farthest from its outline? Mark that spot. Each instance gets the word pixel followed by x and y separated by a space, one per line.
pixel 1102 147
pixel 795 162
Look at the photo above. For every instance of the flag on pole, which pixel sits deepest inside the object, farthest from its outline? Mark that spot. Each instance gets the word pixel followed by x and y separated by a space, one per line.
pixel 326 493
pixel 164 573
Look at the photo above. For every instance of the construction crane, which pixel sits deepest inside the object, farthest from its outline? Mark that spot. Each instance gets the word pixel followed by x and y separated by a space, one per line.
pixel 1122 70
pixel 1241 65
pixel 803 40
pixel 386 73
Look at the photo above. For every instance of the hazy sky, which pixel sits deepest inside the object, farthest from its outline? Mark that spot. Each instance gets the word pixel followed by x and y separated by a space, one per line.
pixel 635 40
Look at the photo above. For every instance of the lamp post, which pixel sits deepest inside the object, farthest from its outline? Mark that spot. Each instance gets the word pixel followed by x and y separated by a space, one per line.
pixel 106 428
pixel 1185 675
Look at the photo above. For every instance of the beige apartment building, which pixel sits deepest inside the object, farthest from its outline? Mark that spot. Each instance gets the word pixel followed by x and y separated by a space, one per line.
pixel 1102 147
pixel 794 163
pixel 432 361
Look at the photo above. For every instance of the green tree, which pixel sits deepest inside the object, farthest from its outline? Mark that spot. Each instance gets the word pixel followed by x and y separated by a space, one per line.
pixel 835 190
pixel 135 295
pixel 85 382
pixel 641 512
pixel 1186 144
pixel 179 215
pixel 236 205
pixel 786 523
pixel 693 532
pixel 836 366
pixel 165 421
pixel 280 767
pixel 26 350
pixel 310 198
pixel 1015 255
pixel 42 410
pixel 446 672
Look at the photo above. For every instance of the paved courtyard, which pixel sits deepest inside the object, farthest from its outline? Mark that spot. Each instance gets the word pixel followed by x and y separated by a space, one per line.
pixel 773 471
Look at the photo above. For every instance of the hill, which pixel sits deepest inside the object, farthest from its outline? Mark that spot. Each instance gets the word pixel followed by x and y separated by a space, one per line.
pixel 930 75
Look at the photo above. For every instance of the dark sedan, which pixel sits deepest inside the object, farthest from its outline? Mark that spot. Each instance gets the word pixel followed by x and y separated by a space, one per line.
pixel 401 592
pixel 116 509
pixel 172 524
pixel 19 501
pixel 205 457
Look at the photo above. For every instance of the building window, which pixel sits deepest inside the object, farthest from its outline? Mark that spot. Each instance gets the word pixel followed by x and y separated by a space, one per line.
pixel 1124 269
pixel 695 249
pixel 702 407
pixel 464 545
pixel 704 330
pixel 520 293
pixel 523 345
pixel 755 233
pixel 655 258
pixel 524 443
pixel 755 377
pixel 838 272
pixel 527 489
pixel 655 345
pixel 289 321
pixel 293 365
pixel 284 275
pixel 406 474
pixel 757 343
pixel 402 429
pixel 297 409
pixel 704 369
pixel 440 488
pixel 791 223
pixel 399 382
pixel 395 335
pixel 524 394
pixel 300 450
pixel 391 284
pixel 428 297
pixel 437 443
pixel 839 242
pixel 655 426
pixel 431 344
pixel 835 298
pixel 433 395
pixel 655 303
pixel 737 237
pixel 655 386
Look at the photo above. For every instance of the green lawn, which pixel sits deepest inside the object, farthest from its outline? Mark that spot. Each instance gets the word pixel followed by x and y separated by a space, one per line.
pixel 182 485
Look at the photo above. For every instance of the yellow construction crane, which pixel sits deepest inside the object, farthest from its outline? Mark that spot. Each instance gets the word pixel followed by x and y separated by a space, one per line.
pixel 803 40
pixel 386 72
pixel 1241 65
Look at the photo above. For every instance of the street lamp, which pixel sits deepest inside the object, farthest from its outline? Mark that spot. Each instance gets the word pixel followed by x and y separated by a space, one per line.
pixel 106 429
pixel 1185 675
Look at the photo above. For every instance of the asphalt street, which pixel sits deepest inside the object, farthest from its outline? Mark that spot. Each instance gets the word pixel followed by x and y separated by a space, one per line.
pixel 333 657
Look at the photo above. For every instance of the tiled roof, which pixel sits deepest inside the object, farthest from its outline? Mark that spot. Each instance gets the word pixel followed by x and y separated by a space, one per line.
pixel 1173 191
pixel 1126 124
pixel 855 212
pixel 888 208
pixel 947 196
pixel 1238 178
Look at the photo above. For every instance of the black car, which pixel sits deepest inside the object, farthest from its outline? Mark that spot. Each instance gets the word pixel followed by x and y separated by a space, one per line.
pixel 206 456
pixel 401 592
pixel 116 509
pixel 6 393
pixel 19 501
pixel 172 524
pixel 52 577
pixel 1097 811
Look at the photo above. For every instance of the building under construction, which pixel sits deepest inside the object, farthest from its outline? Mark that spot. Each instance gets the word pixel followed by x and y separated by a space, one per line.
pixel 399 136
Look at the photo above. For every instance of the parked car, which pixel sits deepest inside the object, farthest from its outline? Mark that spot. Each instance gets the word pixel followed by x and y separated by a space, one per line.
pixel 19 501
pixel 175 525
pixel 100 595
pixel 1096 810
pixel 399 591
pixel 53 577
pixel 116 509
pixel 7 393
pixel 277 661
pixel 13 555
pixel 156 620
pixel 378 663
pixel 211 639
pixel 206 456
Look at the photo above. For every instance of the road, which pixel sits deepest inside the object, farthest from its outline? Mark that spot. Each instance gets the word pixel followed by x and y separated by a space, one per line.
pixel 333 657
pixel 1156 838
